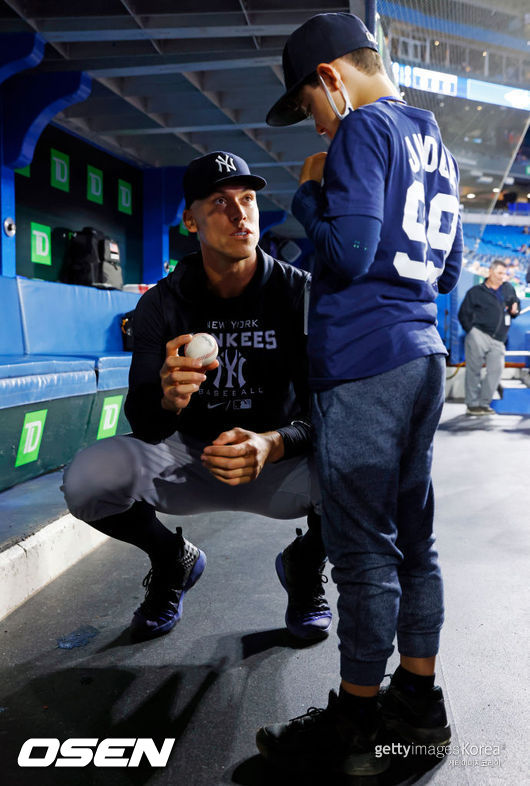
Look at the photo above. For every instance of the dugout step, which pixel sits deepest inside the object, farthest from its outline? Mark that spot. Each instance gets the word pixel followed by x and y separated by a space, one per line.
pixel 39 539
pixel 514 401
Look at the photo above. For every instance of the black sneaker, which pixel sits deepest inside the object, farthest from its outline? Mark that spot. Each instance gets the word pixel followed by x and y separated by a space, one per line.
pixel 417 717
pixel 308 615
pixel 162 607
pixel 323 738
pixel 475 411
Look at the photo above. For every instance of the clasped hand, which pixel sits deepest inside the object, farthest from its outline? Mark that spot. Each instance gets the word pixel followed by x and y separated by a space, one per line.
pixel 237 456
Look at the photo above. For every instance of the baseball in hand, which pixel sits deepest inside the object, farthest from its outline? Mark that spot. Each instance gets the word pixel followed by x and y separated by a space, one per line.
pixel 202 347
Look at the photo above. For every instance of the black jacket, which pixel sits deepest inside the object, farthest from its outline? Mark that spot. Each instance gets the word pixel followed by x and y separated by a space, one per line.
pixel 261 383
pixel 481 308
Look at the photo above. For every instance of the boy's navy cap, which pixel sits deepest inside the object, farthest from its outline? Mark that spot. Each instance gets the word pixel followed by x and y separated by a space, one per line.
pixel 321 39
pixel 206 173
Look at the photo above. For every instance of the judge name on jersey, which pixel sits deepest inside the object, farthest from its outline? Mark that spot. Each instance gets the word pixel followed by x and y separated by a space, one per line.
pixel 427 154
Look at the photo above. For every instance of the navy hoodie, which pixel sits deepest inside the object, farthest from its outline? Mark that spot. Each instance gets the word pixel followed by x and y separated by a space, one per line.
pixel 261 383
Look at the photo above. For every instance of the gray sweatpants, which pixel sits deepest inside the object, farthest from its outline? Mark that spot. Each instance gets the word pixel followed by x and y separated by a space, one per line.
pixel 480 349
pixel 109 476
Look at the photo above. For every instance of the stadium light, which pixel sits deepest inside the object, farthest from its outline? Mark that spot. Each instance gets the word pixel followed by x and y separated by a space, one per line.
pixel 471 196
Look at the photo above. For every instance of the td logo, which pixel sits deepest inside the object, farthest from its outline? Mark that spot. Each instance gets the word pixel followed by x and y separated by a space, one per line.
pixel 124 197
pixel 31 437
pixel 94 184
pixel 59 170
pixel 110 413
pixel 41 247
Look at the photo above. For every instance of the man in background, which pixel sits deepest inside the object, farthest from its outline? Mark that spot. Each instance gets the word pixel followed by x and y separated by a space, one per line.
pixel 486 314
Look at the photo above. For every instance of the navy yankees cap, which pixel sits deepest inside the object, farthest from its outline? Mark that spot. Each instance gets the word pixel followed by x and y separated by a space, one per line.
pixel 206 173
pixel 321 39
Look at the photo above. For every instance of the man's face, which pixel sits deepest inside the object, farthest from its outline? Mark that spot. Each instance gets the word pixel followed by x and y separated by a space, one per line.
pixel 497 276
pixel 227 221
pixel 315 104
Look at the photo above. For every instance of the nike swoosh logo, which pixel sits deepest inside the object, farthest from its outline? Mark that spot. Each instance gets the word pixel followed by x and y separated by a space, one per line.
pixel 212 406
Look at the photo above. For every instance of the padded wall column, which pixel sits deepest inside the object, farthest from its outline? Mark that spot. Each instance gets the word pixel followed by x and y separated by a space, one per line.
pixel 7 217
pixel 27 104
pixel 163 204
pixel 17 53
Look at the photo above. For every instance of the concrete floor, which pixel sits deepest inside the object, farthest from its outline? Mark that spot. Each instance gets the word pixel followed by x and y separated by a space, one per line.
pixel 229 666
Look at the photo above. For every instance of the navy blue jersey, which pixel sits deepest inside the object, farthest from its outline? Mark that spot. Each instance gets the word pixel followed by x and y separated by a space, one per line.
pixel 386 161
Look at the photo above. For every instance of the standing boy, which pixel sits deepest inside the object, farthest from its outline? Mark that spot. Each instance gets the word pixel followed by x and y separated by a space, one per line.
pixel 386 227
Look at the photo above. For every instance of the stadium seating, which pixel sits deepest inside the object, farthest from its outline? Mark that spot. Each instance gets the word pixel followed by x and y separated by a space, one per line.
pixel 497 239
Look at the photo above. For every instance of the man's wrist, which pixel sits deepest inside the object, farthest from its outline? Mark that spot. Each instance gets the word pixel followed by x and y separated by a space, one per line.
pixel 169 407
pixel 275 440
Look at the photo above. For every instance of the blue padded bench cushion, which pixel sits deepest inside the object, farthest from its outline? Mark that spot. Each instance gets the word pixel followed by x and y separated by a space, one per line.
pixel 25 365
pixel 116 360
pixel 11 338
pixel 113 371
pixel 63 319
pixel 109 378
pixel 15 391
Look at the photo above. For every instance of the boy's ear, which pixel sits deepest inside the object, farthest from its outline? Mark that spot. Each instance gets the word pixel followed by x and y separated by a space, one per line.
pixel 330 75
pixel 189 221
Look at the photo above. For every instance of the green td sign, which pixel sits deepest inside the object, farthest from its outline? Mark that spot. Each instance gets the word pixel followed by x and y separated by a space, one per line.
pixel 31 437
pixel 59 170
pixel 94 184
pixel 41 246
pixel 124 197
pixel 110 413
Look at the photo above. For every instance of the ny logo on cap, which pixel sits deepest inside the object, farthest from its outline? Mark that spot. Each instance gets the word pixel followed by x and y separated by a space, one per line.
pixel 227 161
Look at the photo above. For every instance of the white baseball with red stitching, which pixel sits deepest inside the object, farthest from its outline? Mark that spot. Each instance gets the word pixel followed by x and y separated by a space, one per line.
pixel 202 347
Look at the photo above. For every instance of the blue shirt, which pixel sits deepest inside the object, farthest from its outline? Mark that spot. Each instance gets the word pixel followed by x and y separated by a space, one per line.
pixel 387 163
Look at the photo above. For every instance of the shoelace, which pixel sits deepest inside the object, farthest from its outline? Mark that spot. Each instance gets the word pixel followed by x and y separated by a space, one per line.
pixel 312 592
pixel 153 595
pixel 309 587
pixel 311 714
pixel 147 580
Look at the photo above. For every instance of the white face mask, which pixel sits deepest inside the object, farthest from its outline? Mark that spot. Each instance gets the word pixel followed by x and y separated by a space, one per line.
pixel 348 105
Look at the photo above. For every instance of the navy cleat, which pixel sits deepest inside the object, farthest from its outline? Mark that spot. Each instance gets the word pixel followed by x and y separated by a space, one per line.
pixel 162 607
pixel 324 740
pixel 308 615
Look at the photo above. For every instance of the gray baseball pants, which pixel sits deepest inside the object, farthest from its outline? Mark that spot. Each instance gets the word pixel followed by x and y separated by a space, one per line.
pixel 108 477
pixel 480 349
